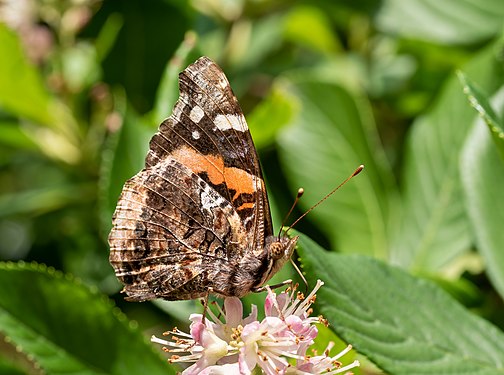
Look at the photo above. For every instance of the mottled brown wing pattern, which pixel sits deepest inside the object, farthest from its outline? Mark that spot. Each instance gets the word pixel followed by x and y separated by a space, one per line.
pixel 171 228
pixel 197 217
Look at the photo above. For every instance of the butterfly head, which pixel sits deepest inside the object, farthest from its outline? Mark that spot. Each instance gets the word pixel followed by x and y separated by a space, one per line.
pixel 279 250
pixel 282 248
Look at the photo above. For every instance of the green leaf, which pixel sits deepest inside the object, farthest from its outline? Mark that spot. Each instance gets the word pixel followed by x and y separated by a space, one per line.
pixel 403 324
pixel 23 94
pixel 12 135
pixel 435 229
pixel 250 43
pixel 66 328
pixel 108 35
pixel 482 106
pixel 43 200
pixel 272 114
pixel 310 26
pixel 446 22
pixel 331 136
pixel 22 91
pixel 482 171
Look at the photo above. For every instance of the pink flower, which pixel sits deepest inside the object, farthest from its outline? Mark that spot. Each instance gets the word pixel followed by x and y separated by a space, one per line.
pixel 323 364
pixel 245 345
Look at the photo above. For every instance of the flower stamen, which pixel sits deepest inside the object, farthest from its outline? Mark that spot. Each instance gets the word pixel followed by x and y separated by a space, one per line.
pixel 228 343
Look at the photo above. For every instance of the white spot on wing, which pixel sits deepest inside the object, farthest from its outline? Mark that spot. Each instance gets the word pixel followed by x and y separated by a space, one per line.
pixel 209 200
pixel 179 108
pixel 196 114
pixel 224 84
pixel 236 122
pixel 207 203
pixel 196 134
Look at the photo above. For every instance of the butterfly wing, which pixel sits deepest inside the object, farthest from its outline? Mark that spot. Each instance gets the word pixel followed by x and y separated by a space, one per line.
pixel 171 229
pixel 208 132
pixel 200 203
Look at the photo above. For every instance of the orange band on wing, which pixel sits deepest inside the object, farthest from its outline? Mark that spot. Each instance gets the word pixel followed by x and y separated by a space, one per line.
pixel 246 205
pixel 235 178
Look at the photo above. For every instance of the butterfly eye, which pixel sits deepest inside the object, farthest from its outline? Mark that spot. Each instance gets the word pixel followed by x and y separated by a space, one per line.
pixel 276 250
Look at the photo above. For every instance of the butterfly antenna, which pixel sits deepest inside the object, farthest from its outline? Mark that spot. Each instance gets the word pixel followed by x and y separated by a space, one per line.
pixel 355 173
pixel 299 195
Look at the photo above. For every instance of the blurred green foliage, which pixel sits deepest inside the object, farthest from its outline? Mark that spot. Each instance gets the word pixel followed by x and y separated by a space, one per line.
pixel 325 86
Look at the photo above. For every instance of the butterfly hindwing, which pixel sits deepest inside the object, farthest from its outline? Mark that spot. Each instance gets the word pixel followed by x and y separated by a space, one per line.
pixel 170 227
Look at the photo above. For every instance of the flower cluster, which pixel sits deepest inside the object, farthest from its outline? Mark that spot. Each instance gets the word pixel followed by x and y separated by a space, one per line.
pixel 276 345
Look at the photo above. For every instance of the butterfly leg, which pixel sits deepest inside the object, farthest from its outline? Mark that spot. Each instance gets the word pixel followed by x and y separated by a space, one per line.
pixel 275 286
pixel 204 302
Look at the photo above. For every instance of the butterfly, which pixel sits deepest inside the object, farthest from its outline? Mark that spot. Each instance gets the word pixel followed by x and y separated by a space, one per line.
pixel 196 220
